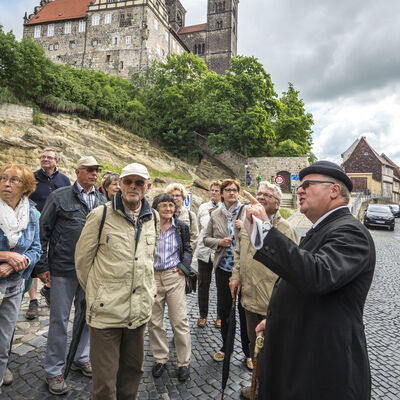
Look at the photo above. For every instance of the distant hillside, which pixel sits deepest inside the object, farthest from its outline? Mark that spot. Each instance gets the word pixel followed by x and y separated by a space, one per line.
pixel 21 141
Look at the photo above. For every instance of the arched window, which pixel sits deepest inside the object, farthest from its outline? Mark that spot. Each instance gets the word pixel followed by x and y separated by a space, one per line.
pixel 203 47
pixel 179 18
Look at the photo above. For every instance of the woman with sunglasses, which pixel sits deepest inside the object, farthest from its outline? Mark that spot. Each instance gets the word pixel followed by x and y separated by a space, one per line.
pixel 19 248
pixel 220 236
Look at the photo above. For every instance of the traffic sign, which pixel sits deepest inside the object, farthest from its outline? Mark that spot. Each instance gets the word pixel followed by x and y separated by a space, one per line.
pixel 279 180
pixel 294 177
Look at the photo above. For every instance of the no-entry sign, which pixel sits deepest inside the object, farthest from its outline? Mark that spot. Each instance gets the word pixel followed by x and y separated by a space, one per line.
pixel 279 180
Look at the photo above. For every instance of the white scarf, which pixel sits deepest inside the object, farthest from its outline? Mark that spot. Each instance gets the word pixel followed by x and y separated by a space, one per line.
pixel 14 222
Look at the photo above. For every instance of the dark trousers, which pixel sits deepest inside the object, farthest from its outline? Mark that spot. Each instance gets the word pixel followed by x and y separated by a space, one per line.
pixel 224 305
pixel 204 281
pixel 252 320
pixel 117 361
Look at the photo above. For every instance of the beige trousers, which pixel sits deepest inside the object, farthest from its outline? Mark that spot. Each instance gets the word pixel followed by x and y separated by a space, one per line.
pixel 170 290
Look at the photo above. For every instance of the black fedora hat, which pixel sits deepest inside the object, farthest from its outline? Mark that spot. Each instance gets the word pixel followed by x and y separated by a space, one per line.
pixel 330 169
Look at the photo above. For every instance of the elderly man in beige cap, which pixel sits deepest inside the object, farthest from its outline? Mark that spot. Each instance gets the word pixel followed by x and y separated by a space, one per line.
pixel 114 264
pixel 61 223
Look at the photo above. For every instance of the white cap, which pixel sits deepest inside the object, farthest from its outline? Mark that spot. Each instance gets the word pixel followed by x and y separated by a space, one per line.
pixel 87 161
pixel 135 169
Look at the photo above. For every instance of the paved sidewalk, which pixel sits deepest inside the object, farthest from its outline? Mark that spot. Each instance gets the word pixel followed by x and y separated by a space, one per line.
pixel 381 321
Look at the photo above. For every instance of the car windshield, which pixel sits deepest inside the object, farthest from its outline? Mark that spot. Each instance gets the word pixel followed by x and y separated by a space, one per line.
pixel 379 208
pixel 395 207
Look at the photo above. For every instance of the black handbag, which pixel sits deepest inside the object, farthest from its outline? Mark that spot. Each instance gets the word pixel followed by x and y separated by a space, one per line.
pixel 190 277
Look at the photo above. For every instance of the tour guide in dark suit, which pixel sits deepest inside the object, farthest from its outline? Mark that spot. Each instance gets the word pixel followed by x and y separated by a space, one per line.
pixel 315 346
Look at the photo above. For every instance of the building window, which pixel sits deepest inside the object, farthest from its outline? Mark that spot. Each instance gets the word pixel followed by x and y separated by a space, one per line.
pixel 173 44
pixel 55 46
pixel 121 65
pixel 95 20
pixel 125 20
pixel 234 29
pixel 115 40
pixel 128 40
pixel 156 24
pixel 50 30
pixel 67 28
pixel 37 31
pixel 108 58
pixel 179 19
pixel 95 42
pixel 107 18
pixel 51 47
pixel 219 24
pixel 220 6
pixel 111 1
pixel 72 44
pixel 166 36
pixel 158 50
pixel 82 26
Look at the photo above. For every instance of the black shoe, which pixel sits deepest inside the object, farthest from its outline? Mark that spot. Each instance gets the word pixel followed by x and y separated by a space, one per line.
pixel 157 370
pixel 183 373
pixel 45 292
pixel 32 312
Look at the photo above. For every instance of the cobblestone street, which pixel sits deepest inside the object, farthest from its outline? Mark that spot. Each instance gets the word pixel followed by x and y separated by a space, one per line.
pixel 381 320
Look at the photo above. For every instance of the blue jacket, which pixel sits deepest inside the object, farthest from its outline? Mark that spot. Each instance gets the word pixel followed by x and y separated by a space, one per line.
pixel 46 185
pixel 28 245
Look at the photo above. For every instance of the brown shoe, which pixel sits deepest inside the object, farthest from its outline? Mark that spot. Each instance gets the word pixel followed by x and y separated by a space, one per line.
pixel 245 393
pixel 202 322
pixel 85 369
pixel 218 323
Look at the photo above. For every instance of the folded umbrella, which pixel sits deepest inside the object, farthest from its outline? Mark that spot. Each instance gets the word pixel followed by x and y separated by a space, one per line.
pixel 76 337
pixel 257 347
pixel 230 339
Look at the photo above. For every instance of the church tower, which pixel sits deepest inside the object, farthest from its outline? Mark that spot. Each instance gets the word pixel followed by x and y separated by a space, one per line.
pixel 176 14
pixel 221 33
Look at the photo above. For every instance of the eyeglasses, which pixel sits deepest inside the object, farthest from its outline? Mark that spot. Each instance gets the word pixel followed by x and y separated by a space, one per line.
pixel 267 196
pixel 14 180
pixel 92 169
pixel 128 182
pixel 47 158
pixel 176 196
pixel 231 190
pixel 306 184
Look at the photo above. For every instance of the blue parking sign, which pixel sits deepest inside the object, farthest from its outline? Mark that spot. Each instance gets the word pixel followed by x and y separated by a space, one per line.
pixel 294 177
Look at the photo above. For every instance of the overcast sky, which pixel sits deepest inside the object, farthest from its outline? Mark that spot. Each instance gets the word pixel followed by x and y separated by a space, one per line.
pixel 342 55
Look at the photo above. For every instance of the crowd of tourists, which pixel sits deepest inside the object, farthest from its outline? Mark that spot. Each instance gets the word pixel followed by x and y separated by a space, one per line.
pixel 120 260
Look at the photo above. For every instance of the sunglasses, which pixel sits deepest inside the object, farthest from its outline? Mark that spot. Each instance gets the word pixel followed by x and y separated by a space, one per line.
pixel 128 182
pixel 306 184
pixel 92 169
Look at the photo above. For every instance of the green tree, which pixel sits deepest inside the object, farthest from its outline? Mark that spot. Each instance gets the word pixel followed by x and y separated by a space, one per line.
pixel 244 104
pixel 293 126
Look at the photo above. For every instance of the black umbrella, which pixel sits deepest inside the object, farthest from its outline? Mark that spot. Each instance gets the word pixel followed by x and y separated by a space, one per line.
pixel 230 338
pixel 76 336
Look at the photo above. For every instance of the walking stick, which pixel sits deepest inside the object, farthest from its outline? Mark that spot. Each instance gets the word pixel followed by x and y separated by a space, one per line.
pixel 258 346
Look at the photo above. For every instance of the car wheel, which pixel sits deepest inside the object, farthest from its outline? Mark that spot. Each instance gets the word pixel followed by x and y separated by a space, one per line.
pixel 391 228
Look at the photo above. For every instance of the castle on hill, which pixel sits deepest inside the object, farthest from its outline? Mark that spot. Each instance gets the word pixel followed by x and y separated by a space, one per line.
pixel 120 37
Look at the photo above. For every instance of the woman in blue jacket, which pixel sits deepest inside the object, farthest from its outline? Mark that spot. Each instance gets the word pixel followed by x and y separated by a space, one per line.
pixel 19 247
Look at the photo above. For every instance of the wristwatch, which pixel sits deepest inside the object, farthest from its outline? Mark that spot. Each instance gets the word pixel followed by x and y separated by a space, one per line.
pixel 266 226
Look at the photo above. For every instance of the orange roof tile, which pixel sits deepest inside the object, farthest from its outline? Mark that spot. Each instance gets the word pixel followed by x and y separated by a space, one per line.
pixel 58 10
pixel 193 28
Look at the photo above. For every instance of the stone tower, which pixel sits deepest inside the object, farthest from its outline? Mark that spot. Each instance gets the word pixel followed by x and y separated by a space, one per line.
pixel 222 33
pixel 176 14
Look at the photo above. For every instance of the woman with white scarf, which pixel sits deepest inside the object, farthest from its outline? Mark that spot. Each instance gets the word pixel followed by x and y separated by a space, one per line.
pixel 19 248
pixel 220 236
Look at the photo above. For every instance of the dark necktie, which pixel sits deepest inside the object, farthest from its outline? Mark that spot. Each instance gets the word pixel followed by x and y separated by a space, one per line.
pixel 308 236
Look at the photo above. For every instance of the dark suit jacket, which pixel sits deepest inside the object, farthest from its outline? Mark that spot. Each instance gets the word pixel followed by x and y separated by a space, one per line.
pixel 315 346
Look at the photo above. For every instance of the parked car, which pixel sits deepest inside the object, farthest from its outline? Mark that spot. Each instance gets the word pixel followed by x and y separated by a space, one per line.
pixel 379 215
pixel 395 210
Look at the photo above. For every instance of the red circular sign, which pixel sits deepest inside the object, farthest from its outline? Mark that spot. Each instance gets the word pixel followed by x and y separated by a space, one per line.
pixel 279 180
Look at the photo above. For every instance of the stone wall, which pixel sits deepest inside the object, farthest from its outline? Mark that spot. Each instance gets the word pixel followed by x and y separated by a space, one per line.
pixel 15 112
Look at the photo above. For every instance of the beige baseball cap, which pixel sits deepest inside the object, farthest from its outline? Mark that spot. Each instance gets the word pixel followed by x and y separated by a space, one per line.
pixel 87 161
pixel 135 169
